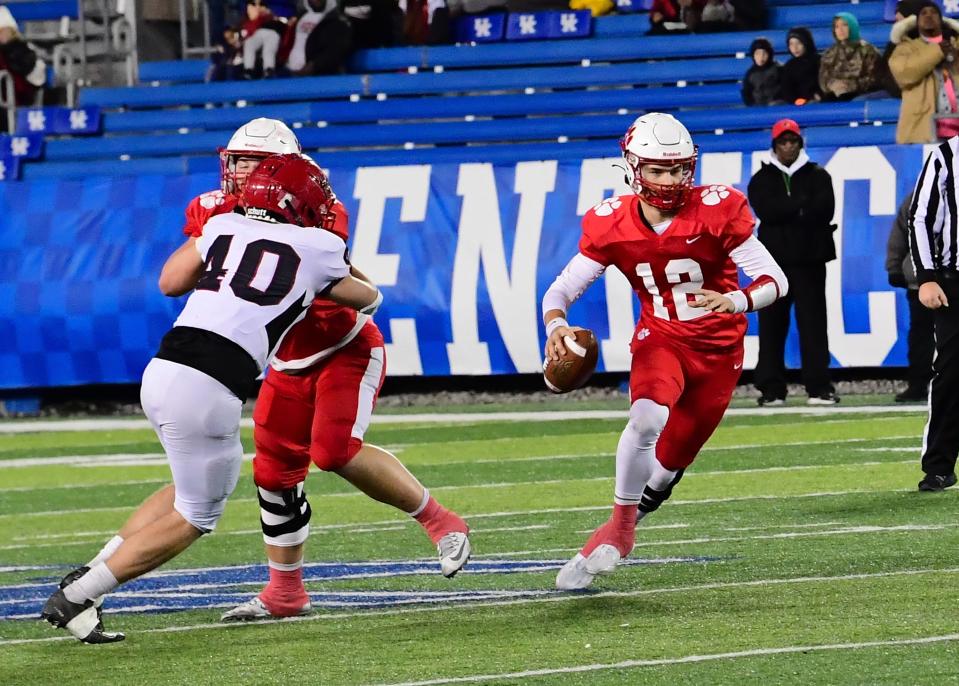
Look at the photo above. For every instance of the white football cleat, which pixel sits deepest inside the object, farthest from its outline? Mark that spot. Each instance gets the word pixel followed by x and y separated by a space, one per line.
pixel 603 560
pixel 579 572
pixel 573 576
pixel 254 609
pixel 454 550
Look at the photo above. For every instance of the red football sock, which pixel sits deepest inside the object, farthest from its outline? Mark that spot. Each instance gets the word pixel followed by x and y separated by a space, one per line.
pixel 285 594
pixel 619 531
pixel 438 521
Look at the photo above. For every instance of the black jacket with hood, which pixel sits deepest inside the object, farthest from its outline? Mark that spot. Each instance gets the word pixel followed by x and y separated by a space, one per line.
pixel 795 206
pixel 800 75
pixel 761 85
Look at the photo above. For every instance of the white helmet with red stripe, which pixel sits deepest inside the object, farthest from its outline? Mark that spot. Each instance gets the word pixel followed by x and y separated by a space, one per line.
pixel 660 139
pixel 258 138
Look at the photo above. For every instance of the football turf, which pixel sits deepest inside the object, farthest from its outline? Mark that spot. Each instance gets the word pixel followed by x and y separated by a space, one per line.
pixel 796 550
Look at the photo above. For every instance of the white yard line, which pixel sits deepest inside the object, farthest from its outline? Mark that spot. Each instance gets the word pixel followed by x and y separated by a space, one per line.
pixel 38 426
pixel 688 659
pixel 558 598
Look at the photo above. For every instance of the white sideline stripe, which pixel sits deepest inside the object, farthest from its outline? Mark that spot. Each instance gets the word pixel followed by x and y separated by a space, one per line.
pixel 108 484
pixel 500 484
pixel 115 460
pixel 557 598
pixel 688 659
pixel 43 426
pixel 134 461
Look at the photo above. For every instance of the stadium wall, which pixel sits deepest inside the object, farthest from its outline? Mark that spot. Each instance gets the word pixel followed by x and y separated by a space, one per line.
pixel 463 253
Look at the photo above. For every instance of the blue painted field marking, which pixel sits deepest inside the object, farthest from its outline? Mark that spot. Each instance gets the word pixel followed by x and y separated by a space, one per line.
pixel 193 589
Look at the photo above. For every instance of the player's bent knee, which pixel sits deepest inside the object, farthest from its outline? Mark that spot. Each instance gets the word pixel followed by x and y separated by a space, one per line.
pixel 647 419
pixel 331 458
pixel 203 516
pixel 284 516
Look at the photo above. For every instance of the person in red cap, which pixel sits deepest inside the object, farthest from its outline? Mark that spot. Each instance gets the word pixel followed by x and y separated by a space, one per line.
pixel 793 198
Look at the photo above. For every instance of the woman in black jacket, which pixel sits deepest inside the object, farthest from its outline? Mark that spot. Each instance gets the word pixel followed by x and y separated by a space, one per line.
pixel 800 75
pixel 761 85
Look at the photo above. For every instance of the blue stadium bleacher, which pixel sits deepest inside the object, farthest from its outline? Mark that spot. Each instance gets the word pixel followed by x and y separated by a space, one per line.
pixel 478 104
pixel 43 10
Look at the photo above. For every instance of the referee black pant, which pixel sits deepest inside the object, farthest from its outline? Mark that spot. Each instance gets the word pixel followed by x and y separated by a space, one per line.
pixel 941 440
pixel 807 291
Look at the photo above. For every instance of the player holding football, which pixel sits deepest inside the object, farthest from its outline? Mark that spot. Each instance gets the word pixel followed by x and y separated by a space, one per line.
pixel 680 247
pixel 315 406
pixel 254 277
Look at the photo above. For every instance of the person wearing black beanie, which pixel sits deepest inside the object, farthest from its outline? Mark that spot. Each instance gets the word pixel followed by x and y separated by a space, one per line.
pixel 800 75
pixel 761 84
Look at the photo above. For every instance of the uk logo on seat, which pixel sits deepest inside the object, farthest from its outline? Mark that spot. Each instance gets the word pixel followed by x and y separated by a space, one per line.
pixel 59 120
pixel 578 24
pixel 486 29
pixel 527 25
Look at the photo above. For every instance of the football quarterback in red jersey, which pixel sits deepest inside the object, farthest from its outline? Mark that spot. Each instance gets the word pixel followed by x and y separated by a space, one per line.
pixel 680 247
pixel 315 406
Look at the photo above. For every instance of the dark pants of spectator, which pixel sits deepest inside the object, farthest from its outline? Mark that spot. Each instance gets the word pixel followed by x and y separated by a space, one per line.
pixel 807 291
pixel 922 343
pixel 941 445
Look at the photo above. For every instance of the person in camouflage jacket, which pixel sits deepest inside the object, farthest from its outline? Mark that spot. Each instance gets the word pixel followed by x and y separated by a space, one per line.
pixel 849 67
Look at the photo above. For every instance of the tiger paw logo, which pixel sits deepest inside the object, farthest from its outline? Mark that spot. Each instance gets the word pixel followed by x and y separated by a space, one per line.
pixel 642 334
pixel 211 199
pixel 714 195
pixel 607 207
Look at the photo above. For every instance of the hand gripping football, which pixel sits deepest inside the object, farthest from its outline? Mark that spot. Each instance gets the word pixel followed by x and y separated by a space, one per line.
pixel 574 368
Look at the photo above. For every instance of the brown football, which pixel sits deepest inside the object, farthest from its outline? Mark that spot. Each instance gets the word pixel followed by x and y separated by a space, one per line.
pixel 574 368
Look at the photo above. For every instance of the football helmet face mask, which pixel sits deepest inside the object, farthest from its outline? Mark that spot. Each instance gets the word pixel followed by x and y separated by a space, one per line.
pixel 289 188
pixel 257 139
pixel 661 140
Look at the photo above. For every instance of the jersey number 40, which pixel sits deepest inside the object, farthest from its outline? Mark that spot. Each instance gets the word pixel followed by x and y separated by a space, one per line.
pixel 281 282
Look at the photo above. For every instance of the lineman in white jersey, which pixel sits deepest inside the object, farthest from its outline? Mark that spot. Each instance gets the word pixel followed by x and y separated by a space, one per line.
pixel 255 276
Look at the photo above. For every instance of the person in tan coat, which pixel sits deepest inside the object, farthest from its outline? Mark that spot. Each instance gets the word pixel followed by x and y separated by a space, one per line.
pixel 925 65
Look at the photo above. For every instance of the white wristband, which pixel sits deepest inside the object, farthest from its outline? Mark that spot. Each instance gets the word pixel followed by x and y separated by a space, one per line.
pixel 554 324
pixel 740 301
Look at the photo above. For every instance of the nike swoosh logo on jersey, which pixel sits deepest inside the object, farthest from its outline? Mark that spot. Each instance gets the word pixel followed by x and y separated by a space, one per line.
pixel 737 366
pixel 693 240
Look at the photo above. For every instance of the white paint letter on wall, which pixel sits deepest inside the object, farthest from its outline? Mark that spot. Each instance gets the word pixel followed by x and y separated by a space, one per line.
pixel 512 291
pixel 374 185
pixel 861 349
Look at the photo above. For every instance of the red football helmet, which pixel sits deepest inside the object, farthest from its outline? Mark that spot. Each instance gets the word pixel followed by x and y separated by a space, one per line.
pixel 290 189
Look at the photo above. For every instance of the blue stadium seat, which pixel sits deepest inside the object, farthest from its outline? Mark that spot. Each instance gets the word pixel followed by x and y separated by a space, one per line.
pixel 829 136
pixel 478 80
pixel 596 49
pixel 462 132
pixel 608 100
pixel 42 10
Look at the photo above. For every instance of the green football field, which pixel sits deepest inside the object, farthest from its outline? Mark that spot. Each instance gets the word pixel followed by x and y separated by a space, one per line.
pixel 796 550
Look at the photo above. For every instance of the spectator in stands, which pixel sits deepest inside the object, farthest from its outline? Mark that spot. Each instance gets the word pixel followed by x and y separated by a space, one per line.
pixel 425 22
pixel 922 342
pixel 800 75
pixel 761 84
pixel 261 34
pixel 750 15
pixel 849 68
pixel 376 23
pixel 226 62
pixel 673 16
pixel 18 58
pixel 322 39
pixel 597 8
pixel 716 15
pixel 924 65
pixel 904 10
pixel 793 199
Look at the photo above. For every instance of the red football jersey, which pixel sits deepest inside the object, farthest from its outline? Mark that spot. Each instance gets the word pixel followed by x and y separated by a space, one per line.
pixel 692 253
pixel 326 326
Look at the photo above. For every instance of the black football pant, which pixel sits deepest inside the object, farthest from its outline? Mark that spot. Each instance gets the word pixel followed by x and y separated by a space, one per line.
pixel 922 342
pixel 941 445
pixel 807 291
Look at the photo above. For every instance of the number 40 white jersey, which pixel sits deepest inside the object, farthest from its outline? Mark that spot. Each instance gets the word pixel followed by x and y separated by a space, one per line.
pixel 259 280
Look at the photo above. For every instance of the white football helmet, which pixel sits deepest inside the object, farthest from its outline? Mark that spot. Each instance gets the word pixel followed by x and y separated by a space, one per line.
pixel 259 137
pixel 658 138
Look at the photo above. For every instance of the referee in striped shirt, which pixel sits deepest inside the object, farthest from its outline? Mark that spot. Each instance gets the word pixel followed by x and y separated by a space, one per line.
pixel 933 241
